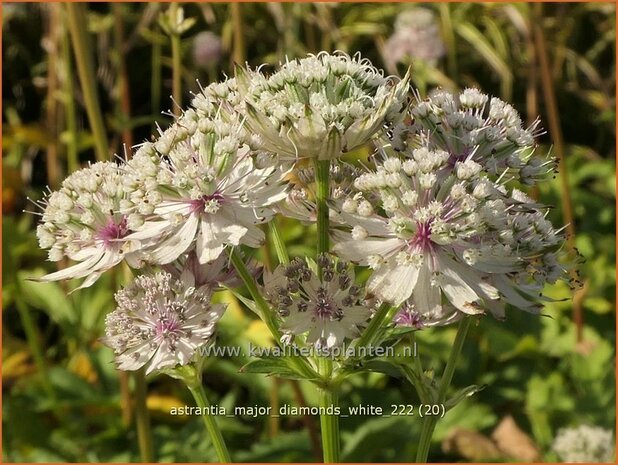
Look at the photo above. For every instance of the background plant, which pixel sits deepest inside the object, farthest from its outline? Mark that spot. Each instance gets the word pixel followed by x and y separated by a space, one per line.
pixel 63 399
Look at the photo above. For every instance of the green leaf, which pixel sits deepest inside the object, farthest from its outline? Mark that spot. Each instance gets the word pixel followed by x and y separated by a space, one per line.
pixel 48 297
pixel 250 304
pixel 475 38
pixel 274 366
pixel 463 394
pixel 381 366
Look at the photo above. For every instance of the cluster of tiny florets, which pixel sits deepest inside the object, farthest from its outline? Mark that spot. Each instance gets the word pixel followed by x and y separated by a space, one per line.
pixel 199 183
pixel 321 106
pixel 442 227
pixel 416 35
pixel 585 444
pixel 321 301
pixel 82 221
pixel 160 322
pixel 475 126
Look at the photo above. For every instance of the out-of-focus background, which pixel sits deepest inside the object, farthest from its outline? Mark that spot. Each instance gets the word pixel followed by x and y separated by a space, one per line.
pixel 62 398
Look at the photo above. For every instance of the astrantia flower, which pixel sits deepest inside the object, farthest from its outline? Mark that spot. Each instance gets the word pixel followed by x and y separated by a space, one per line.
pixel 199 185
pixel 409 316
pixel 423 228
pixel 521 252
pixel 474 126
pixel 585 444
pixel 320 106
pixel 416 35
pixel 206 49
pixel 219 100
pixel 328 309
pixel 81 221
pixel 160 322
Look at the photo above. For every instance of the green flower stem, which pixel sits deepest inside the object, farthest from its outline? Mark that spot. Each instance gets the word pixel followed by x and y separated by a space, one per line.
pixel 249 281
pixel 275 235
pixel 429 422
pixel 176 63
pixel 155 79
pixel 322 169
pixel 85 69
pixel 142 418
pixel 329 424
pixel 418 367
pixel 376 325
pixel 201 400
pixel 265 310
pixel 33 340
pixel 69 104
pixel 238 51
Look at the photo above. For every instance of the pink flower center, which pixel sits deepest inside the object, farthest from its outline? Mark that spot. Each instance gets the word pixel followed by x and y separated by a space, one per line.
pixel 113 231
pixel 408 317
pixel 165 326
pixel 422 238
pixel 207 203
pixel 325 308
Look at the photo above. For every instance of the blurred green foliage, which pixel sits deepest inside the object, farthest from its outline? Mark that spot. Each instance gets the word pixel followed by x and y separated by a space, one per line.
pixel 62 396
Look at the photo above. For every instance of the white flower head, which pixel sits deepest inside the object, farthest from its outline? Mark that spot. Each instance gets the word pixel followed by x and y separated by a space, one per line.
pixel 320 106
pixel 327 307
pixel 473 126
pixel 82 221
pixel 419 318
pixel 207 49
pixel 160 322
pixel 199 185
pixel 417 35
pixel 446 240
pixel 219 100
pixel 585 444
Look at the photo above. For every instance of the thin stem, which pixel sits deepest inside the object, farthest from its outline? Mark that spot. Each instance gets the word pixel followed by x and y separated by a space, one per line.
pixel 125 397
pixel 238 54
pixel 53 175
pixel 32 337
pixel 322 171
pixel 429 422
pixel 329 423
pixel 328 396
pixel 69 102
pixel 122 77
pixel 249 282
pixel 85 68
pixel 553 117
pixel 273 420
pixel 307 420
pixel 377 323
pixel 279 244
pixel 266 250
pixel 176 63
pixel 142 418
pixel 155 82
pixel 449 38
pixel 209 421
